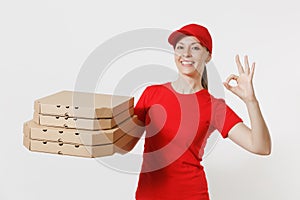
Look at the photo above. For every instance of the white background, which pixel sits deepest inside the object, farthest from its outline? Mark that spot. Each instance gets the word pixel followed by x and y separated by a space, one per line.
pixel 43 45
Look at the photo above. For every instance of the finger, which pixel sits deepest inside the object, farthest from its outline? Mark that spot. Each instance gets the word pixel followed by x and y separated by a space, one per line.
pixel 232 77
pixel 229 87
pixel 252 70
pixel 239 65
pixel 247 68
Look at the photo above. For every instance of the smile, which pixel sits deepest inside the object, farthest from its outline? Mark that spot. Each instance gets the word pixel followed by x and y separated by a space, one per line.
pixel 187 62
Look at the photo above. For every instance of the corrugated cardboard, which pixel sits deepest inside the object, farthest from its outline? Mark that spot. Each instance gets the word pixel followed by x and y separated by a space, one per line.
pixel 83 123
pixel 126 143
pixel 83 105
pixel 75 149
pixel 77 136
pixel 68 149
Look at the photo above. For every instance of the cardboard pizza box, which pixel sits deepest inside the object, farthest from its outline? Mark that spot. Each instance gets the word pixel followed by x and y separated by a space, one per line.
pixel 83 105
pixel 78 136
pixel 74 149
pixel 68 149
pixel 126 143
pixel 83 123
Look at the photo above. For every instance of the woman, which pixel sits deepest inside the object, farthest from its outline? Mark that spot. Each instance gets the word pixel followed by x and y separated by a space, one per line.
pixel 179 116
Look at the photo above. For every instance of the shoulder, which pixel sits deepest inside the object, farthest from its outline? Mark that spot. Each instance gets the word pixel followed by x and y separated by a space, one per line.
pixel 214 99
pixel 217 103
pixel 209 98
pixel 158 92
pixel 155 88
pixel 218 100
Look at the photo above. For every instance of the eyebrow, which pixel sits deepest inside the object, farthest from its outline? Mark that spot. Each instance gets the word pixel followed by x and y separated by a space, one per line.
pixel 191 43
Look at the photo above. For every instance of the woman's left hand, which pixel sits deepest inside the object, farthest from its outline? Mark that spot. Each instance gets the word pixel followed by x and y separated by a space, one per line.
pixel 244 88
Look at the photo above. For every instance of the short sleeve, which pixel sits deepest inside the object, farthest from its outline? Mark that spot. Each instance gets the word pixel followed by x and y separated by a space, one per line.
pixel 140 108
pixel 224 118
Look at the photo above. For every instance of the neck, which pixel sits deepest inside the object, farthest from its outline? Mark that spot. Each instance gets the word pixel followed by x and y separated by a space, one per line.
pixel 187 84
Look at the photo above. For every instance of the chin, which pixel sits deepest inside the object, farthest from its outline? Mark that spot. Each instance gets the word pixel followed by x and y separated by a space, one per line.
pixel 188 73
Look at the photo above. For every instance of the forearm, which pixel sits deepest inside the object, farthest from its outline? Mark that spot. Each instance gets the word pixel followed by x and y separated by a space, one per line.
pixel 260 137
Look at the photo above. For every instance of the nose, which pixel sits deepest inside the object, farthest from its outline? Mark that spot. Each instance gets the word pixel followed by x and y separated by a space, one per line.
pixel 186 52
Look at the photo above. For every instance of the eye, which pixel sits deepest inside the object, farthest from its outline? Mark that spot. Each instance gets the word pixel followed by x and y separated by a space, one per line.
pixel 179 47
pixel 196 48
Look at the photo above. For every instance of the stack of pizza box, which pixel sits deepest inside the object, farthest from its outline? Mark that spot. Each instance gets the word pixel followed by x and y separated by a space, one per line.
pixel 82 124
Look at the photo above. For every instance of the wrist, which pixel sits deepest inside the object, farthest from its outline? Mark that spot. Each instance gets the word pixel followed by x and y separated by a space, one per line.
pixel 251 101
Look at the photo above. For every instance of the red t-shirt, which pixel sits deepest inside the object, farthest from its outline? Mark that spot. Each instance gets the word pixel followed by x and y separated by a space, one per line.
pixel 177 127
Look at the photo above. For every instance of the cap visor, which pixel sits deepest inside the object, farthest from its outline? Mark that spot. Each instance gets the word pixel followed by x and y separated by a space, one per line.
pixel 176 36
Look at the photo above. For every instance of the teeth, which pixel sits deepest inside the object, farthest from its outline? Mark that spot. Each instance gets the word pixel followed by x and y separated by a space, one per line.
pixel 187 62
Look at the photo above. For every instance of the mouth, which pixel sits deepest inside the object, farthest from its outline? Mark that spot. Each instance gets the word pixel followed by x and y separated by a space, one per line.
pixel 187 63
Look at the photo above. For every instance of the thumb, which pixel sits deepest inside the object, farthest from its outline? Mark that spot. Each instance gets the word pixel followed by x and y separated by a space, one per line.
pixel 227 86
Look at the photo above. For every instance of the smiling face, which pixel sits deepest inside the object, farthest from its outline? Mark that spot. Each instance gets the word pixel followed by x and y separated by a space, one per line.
pixel 190 56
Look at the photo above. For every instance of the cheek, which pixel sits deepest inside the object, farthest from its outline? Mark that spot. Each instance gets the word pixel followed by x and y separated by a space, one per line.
pixel 176 58
pixel 200 58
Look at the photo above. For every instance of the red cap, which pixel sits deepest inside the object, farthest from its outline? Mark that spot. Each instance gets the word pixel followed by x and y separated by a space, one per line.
pixel 196 30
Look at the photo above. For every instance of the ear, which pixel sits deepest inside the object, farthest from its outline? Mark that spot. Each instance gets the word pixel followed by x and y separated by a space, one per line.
pixel 208 58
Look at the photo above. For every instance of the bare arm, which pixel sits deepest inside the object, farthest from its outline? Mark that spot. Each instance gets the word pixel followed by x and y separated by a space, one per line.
pixel 130 139
pixel 257 138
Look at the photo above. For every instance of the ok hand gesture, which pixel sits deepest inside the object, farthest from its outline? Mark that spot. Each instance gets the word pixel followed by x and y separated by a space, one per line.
pixel 244 87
